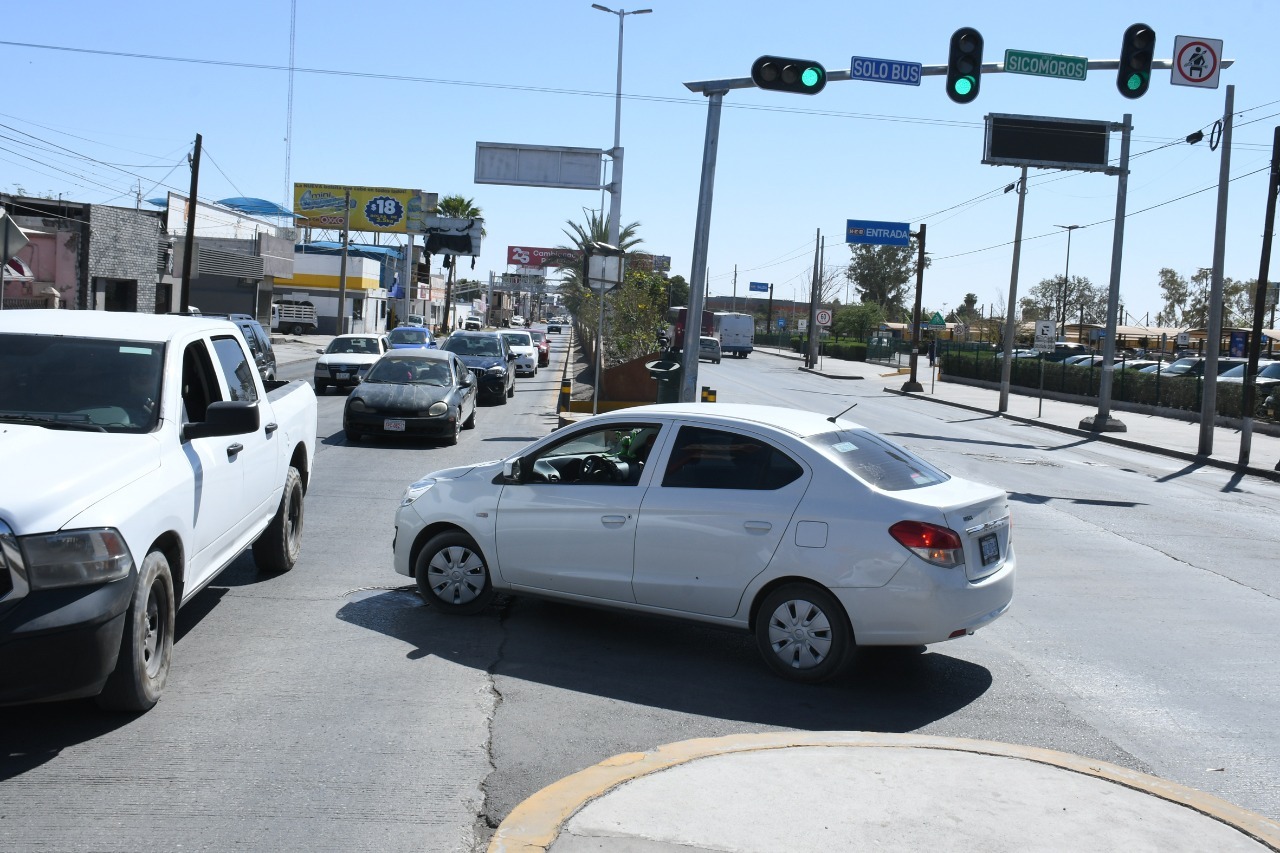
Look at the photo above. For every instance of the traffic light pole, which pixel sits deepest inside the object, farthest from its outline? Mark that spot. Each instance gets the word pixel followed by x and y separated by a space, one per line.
pixel 702 227
pixel 1010 321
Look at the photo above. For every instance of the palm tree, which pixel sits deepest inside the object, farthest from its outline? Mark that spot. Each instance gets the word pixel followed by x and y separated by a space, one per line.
pixel 596 230
pixel 455 207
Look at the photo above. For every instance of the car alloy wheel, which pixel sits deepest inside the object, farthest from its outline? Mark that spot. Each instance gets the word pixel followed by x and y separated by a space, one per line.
pixel 803 633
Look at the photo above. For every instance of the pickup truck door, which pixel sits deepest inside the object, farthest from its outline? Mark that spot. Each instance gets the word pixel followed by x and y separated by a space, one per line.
pixel 257 459
pixel 216 506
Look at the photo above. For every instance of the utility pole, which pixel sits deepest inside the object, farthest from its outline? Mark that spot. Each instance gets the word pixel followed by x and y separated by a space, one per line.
pixel 811 348
pixel 1259 305
pixel 342 269
pixel 1213 338
pixel 913 384
pixel 1010 322
pixel 189 244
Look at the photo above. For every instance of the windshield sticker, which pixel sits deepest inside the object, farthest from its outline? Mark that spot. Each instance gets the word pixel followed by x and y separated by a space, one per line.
pixel 845 447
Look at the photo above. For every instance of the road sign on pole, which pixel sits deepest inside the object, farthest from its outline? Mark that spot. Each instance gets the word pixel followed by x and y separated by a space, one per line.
pixel 1196 62
pixel 885 70
pixel 878 233
pixel 824 317
pixel 760 286
pixel 1046 64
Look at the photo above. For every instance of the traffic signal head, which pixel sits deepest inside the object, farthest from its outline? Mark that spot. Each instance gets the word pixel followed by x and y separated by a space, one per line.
pixel 799 76
pixel 964 65
pixel 1136 52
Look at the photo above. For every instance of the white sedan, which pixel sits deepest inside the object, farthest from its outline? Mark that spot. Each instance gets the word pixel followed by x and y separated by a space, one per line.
pixel 347 358
pixel 814 533
pixel 521 343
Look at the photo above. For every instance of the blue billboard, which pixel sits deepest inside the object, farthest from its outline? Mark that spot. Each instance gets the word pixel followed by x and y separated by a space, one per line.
pixel 878 233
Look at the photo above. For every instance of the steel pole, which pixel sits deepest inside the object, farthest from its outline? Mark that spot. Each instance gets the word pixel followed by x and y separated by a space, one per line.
pixel 1259 305
pixel 913 383
pixel 1103 422
pixel 701 229
pixel 1213 336
pixel 1010 321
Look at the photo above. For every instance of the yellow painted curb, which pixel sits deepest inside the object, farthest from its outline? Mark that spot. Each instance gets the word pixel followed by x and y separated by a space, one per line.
pixel 534 824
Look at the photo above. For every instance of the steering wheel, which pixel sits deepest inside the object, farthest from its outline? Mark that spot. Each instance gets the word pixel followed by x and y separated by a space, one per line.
pixel 598 468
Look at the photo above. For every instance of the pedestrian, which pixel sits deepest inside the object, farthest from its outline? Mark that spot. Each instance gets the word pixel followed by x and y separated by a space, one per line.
pixel 933 351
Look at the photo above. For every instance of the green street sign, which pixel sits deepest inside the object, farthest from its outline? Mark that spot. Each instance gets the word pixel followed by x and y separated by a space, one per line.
pixel 1045 64
pixel 936 319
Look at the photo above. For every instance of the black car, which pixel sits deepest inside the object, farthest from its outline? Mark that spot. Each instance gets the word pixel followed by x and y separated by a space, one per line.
pixel 416 392
pixel 487 355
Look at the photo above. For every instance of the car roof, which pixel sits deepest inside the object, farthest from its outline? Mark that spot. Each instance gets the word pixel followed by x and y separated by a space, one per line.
pixel 357 335
pixel 798 422
pixel 428 354
pixel 119 325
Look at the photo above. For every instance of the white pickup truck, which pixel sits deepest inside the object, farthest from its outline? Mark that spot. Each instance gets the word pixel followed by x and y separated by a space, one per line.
pixel 139 456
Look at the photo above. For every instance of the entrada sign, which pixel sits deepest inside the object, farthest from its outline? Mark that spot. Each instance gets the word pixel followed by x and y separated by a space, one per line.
pixel 867 231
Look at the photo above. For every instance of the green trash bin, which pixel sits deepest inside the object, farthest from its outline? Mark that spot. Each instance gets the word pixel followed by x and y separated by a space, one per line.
pixel 667 374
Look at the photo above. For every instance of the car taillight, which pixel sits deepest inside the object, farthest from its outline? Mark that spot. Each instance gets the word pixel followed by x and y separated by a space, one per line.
pixel 940 546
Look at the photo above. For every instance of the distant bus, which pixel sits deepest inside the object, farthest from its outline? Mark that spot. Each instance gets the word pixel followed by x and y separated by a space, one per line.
pixel 677 317
pixel 736 332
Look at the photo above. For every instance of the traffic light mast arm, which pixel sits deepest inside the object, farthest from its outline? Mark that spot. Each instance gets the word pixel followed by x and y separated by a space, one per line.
pixel 705 87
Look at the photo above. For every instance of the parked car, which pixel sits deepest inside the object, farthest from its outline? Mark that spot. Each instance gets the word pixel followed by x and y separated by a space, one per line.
pixel 414 392
pixel 1085 359
pixel 521 343
pixel 708 349
pixel 811 532
pixel 1268 374
pixel 488 357
pixel 543 344
pixel 410 337
pixel 143 454
pixel 472 324
pixel 343 363
pixel 517 321
pixel 1066 349
pixel 1135 364
pixel 415 320
pixel 297 317
pixel 1193 366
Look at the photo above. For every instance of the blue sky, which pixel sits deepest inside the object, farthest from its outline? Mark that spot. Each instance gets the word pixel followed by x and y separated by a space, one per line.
pixel 544 73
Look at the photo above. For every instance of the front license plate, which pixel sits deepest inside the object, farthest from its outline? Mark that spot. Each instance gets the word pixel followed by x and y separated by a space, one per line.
pixel 397 425
pixel 990 549
pixel 342 376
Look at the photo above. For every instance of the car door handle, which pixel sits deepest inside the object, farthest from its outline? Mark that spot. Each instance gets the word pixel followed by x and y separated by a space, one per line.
pixel 613 519
pixel 233 449
pixel 758 526
pixel 271 428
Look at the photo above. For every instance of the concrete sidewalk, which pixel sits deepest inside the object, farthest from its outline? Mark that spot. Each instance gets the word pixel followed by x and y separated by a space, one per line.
pixel 833 791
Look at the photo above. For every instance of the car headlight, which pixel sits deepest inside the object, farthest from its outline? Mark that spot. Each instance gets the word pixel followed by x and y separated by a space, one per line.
pixel 497 370
pixel 75 558
pixel 437 409
pixel 357 405
pixel 416 490
pixel 322 368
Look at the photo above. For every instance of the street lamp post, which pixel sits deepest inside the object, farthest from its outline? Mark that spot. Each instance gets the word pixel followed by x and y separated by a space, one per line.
pixel 1066 279
pixel 615 202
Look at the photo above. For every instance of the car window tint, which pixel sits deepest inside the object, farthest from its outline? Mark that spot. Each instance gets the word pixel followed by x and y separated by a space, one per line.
pixel 618 453
pixel 876 461
pixel 703 458
pixel 236 369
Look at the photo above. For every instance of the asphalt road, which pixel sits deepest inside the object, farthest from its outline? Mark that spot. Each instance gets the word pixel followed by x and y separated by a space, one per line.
pixel 327 709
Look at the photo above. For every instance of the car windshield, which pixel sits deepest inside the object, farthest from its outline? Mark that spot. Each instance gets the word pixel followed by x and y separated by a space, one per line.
pixel 486 346
pixel 367 346
pixel 408 336
pixel 80 383
pixel 1182 365
pixel 876 461
pixel 538 337
pixel 410 371
pixel 517 339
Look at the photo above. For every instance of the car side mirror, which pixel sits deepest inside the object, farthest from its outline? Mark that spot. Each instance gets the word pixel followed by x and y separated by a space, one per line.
pixel 469 379
pixel 511 356
pixel 225 418
pixel 512 470
pixel 320 350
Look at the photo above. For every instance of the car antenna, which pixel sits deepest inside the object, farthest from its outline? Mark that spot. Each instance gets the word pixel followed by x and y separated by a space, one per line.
pixel 835 418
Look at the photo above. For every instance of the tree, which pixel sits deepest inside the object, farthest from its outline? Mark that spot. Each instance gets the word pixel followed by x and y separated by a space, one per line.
pixel 1186 302
pixel 1045 301
pixel 579 299
pixel 883 275
pixel 455 207
pixel 858 321
pixel 678 290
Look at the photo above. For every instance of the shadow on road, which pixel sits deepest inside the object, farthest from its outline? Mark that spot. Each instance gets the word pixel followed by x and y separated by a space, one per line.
pixel 674 665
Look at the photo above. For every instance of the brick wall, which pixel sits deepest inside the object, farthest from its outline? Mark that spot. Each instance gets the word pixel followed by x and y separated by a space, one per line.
pixel 123 244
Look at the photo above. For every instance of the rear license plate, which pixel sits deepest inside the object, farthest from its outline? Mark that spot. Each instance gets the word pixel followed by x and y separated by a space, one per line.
pixel 342 375
pixel 990 549
pixel 398 426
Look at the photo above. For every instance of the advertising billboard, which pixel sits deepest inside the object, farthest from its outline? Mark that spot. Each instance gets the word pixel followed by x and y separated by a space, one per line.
pixel 528 256
pixel 383 209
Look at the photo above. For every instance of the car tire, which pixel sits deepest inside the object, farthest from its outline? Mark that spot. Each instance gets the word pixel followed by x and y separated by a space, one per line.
pixel 470 422
pixel 276 549
pixel 452 574
pixel 146 648
pixel 803 633
pixel 353 435
pixel 452 438
pixel 511 392
pixel 297 329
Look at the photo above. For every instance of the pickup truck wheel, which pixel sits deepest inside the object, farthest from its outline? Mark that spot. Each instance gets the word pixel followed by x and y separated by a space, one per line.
pixel 297 328
pixel 147 645
pixel 276 549
pixel 452 574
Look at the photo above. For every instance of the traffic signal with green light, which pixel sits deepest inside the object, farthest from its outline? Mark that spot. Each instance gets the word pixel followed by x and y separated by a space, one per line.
pixel 964 65
pixel 799 76
pixel 1136 52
